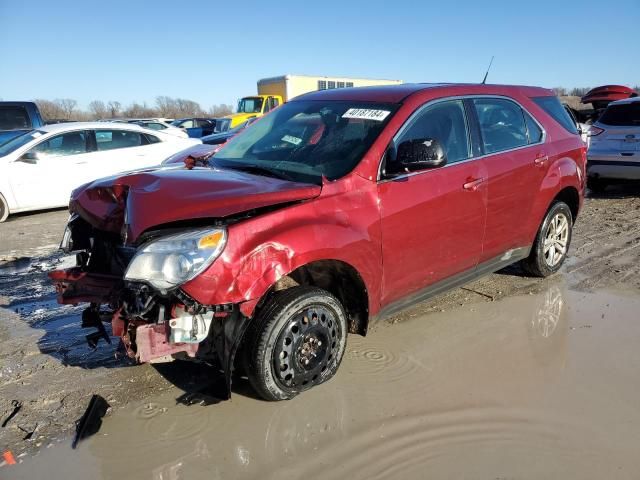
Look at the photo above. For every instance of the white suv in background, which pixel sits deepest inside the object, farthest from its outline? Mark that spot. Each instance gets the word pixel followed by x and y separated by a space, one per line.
pixel 40 168
pixel 614 150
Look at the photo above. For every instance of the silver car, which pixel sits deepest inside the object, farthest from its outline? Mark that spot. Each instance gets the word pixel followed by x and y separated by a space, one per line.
pixel 614 150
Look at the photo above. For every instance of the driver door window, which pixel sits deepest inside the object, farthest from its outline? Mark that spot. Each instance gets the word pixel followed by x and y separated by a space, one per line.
pixel 444 122
pixel 72 143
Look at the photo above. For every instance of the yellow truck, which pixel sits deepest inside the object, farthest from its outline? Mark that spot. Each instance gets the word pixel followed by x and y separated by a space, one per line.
pixel 276 90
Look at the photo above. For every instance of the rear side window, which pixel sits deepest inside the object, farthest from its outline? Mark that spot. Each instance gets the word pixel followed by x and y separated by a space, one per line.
pixel 114 139
pixel 502 124
pixel 553 107
pixel 625 114
pixel 151 138
pixel 14 118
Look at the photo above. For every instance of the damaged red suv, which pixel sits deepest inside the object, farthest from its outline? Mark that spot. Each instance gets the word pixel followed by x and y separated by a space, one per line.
pixel 336 209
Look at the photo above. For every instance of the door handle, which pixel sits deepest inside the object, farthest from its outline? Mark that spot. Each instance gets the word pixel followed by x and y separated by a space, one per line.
pixel 541 159
pixel 81 163
pixel 473 185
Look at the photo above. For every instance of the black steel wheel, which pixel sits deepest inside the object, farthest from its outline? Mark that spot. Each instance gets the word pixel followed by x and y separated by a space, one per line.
pixel 296 342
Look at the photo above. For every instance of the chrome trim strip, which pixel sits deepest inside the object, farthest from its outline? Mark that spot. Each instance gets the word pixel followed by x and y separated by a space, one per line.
pixel 459 97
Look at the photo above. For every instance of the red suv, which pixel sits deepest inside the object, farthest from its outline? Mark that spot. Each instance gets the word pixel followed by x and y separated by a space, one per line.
pixel 336 209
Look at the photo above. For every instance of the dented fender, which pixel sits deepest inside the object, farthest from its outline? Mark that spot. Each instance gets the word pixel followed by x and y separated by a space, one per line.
pixel 261 250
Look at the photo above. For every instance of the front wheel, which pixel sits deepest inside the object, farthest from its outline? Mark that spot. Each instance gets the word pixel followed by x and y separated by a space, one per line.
pixel 551 245
pixel 296 342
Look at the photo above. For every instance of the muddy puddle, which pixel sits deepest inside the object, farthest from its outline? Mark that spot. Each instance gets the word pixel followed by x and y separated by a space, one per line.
pixel 530 387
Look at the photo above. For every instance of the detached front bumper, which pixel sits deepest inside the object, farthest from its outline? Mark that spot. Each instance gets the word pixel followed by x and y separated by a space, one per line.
pixel 153 328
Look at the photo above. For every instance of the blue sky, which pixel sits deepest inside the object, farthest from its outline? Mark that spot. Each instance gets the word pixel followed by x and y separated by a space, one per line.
pixel 215 51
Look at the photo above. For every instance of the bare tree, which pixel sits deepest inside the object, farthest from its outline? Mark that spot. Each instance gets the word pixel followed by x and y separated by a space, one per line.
pixel 220 110
pixel 49 110
pixel 560 91
pixel 67 106
pixel 98 109
pixel 114 108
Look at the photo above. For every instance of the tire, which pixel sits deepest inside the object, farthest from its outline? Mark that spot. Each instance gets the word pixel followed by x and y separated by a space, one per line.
pixel 296 341
pixel 596 185
pixel 546 256
pixel 4 209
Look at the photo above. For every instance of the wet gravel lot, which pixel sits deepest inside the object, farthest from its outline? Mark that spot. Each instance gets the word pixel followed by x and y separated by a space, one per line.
pixel 47 368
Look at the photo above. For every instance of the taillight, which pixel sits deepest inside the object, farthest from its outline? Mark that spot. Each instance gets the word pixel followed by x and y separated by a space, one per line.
pixel 594 131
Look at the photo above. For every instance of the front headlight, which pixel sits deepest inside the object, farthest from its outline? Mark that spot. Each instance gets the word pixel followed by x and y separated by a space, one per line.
pixel 175 259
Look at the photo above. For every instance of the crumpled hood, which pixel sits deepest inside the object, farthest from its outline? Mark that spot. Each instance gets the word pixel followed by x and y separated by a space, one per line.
pixel 163 195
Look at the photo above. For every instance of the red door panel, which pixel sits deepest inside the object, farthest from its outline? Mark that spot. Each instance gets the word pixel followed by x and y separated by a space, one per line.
pixel 432 226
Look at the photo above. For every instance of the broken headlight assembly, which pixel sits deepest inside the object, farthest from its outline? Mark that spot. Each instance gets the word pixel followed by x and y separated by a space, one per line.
pixel 170 261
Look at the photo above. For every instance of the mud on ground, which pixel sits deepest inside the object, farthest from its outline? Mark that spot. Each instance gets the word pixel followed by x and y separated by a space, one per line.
pixel 46 365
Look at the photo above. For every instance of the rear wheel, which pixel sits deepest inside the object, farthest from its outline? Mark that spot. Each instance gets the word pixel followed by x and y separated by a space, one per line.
pixel 596 185
pixel 551 245
pixel 296 342
pixel 4 209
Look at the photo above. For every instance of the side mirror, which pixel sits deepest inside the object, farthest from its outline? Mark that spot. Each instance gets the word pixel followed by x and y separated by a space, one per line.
pixel 29 157
pixel 419 154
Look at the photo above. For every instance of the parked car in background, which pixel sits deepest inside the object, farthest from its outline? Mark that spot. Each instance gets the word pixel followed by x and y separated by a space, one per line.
pixel 614 150
pixel 583 128
pixel 196 127
pixel 17 118
pixel 40 168
pixel 162 126
pixel 224 136
pixel 338 208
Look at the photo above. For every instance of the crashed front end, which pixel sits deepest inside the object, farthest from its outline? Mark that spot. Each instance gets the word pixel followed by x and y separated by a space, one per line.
pixel 137 288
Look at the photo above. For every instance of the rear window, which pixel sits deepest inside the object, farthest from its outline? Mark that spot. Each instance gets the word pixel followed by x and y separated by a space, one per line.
pixel 553 107
pixel 14 118
pixel 626 114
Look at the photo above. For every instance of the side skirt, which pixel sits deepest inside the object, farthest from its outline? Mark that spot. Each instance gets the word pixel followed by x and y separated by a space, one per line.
pixel 497 263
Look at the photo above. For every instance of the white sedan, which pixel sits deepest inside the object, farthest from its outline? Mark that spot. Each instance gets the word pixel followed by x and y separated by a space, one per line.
pixel 39 169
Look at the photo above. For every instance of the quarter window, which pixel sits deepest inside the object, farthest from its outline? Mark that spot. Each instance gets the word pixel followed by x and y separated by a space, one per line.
pixel 534 132
pixel 445 122
pixel 554 108
pixel 72 143
pixel 502 124
pixel 114 139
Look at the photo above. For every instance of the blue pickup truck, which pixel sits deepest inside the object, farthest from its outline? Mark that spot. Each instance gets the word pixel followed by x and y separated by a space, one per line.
pixel 17 118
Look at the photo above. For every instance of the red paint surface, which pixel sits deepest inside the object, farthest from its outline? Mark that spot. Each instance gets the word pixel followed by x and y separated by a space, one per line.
pixel 400 236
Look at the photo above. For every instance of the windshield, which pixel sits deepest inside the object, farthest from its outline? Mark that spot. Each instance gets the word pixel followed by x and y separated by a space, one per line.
pixel 304 140
pixel 221 125
pixel 622 115
pixel 17 142
pixel 250 105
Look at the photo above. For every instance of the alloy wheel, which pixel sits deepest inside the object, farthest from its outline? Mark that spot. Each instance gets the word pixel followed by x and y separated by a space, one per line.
pixel 556 239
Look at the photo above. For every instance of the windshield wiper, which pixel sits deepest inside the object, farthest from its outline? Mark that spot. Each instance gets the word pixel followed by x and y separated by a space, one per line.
pixel 258 170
